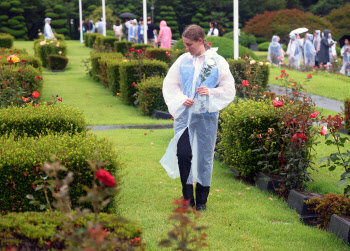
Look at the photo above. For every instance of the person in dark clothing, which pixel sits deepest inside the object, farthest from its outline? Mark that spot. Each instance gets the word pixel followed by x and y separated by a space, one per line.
pixel 151 31
pixel 323 55
pixel 88 26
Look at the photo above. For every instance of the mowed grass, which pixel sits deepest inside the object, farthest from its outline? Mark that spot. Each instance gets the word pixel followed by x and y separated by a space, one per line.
pixel 325 84
pixel 78 90
pixel 239 216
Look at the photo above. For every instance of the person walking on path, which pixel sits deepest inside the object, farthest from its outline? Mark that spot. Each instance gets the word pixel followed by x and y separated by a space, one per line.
pixel 48 34
pixel 345 53
pixel 323 55
pixel 275 52
pixel 117 29
pixel 165 35
pixel 151 32
pixel 213 31
pixel 317 45
pixel 198 85
pixel 309 51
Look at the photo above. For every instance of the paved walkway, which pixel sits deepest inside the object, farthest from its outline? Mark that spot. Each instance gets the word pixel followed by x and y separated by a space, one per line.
pixel 327 103
pixel 112 127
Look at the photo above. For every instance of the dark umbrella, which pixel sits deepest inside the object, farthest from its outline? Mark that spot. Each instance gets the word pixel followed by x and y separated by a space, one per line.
pixel 342 40
pixel 127 15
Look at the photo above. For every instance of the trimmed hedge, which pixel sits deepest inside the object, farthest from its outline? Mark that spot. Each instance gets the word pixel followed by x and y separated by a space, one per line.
pixel 46 47
pixel 95 70
pixel 224 44
pixel 40 230
pixel 150 96
pixel 6 40
pixel 347 114
pixel 57 62
pixel 238 122
pixel 105 72
pixel 123 46
pixel 128 76
pixel 21 160
pixel 92 39
pixel 160 54
pixel 237 67
pixel 265 46
pixel 142 46
pixel 101 40
pixel 40 120
pixel 25 59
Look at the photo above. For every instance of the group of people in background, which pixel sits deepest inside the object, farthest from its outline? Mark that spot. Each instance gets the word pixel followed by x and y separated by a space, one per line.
pixel 312 49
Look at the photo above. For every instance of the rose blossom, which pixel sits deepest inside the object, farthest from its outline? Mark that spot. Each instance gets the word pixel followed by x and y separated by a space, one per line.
pixel 277 104
pixel 245 83
pixel 60 99
pixel 133 84
pixel 35 94
pixel 314 114
pixel 324 130
pixel 309 76
pixel 105 177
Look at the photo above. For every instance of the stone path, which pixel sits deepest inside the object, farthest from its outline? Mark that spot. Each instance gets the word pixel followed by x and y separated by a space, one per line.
pixel 113 127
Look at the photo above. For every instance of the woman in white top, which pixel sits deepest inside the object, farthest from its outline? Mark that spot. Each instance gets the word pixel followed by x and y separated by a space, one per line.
pixel 198 85
pixel 213 31
pixel 117 28
pixel 345 53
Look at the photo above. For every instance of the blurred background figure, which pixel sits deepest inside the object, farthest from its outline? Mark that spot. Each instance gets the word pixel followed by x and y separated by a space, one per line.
pixel 317 45
pixel 332 51
pixel 117 29
pixel 139 32
pixel 213 31
pixel 132 31
pixel 309 51
pixel 165 35
pixel 345 53
pixel 293 52
pixel 48 34
pixel 275 53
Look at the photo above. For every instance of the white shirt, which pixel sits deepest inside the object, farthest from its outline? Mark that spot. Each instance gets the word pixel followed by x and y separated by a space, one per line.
pixel 216 32
pixel 117 28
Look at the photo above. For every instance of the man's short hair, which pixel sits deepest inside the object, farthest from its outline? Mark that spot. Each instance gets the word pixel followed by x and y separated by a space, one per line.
pixel 148 18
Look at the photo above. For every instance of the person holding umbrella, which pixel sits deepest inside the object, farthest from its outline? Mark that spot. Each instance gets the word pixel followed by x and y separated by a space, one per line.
pixel 345 53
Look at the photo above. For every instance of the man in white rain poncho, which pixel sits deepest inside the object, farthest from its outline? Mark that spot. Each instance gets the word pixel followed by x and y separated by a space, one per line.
pixel 48 34
pixel 332 50
pixel 309 51
pixel 275 53
pixel 198 85
pixel 293 52
pixel 317 44
pixel 345 53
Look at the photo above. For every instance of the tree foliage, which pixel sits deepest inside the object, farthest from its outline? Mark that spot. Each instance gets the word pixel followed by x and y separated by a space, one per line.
pixel 340 20
pixel 12 20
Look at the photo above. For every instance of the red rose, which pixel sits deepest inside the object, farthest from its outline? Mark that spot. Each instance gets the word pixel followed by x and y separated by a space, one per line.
pixel 35 94
pixel 314 114
pixel 38 77
pixel 245 83
pixel 60 99
pixel 133 84
pixel 281 76
pixel 107 44
pixel 309 76
pixel 105 177
pixel 283 71
pixel 278 104
pixel 276 78
pixel 302 137
pixel 23 60
pixel 296 93
pixel 24 83
pixel 19 71
pixel 151 58
pixel 127 55
pixel 209 43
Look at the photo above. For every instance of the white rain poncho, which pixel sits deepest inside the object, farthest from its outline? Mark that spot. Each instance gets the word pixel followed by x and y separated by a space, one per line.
pixel 332 50
pixel 317 43
pixel 346 60
pixel 309 51
pixel 181 83
pixel 294 52
pixel 275 52
pixel 48 34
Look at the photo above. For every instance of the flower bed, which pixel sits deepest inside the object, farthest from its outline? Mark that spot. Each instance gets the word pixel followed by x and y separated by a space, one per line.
pixel 47 47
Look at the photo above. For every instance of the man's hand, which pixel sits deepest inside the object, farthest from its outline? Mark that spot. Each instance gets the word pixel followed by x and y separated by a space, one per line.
pixel 203 90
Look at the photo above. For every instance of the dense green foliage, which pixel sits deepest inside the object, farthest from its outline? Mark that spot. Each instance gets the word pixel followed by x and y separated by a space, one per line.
pixel 123 46
pixel 244 39
pixel 58 23
pixel 168 14
pixel 21 158
pixel 265 46
pixel 6 40
pixel 49 47
pixel 95 71
pixel 150 96
pixel 159 54
pixel 347 113
pixel 12 20
pixel 40 120
pixel 57 62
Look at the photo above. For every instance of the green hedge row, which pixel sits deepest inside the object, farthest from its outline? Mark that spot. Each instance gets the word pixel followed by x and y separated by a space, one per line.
pixel 95 70
pixel 24 60
pixel 150 96
pixel 21 159
pixel 57 62
pixel 47 47
pixel 347 113
pixel 6 40
pixel 129 77
pixel 41 120
pixel 265 46
pixel 123 46
pixel 160 54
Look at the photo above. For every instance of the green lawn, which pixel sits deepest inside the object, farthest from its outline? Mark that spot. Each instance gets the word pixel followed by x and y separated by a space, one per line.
pixel 322 83
pixel 239 216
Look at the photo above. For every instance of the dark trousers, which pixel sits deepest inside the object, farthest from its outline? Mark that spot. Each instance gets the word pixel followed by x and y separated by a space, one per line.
pixel 184 156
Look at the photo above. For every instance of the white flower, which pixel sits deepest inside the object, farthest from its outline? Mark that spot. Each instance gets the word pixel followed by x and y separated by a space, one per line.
pixel 60 52
pixel 261 63
pixel 42 43
pixel 210 62
pixel 252 62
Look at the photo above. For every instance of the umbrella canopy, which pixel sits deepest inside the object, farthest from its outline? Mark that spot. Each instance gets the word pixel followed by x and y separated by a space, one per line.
pixel 299 31
pixel 127 15
pixel 342 40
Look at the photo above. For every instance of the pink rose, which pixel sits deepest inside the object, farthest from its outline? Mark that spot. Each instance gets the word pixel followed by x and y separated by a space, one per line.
pixel 105 177
pixel 324 130
pixel 314 114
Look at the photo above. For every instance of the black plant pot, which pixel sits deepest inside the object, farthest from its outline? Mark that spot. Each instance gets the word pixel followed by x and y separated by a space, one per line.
pixel 340 226
pixel 296 200
pixel 267 183
pixel 157 114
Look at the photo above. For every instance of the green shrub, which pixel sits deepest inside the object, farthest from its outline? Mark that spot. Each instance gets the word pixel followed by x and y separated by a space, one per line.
pixel 347 113
pixel 260 40
pixel 92 39
pixel 107 40
pixel 238 122
pixel 129 76
pixel 95 70
pixel 160 54
pixel 122 46
pixel 59 37
pixel 21 158
pixel 150 96
pixel 225 47
pixel 239 73
pixel 103 63
pixel 18 84
pixel 23 56
pixel 142 46
pixel 113 74
pixel 41 229
pixel 42 119
pixel 57 62
pixel 244 39
pixel 46 47
pixel 6 40
pixel 265 46
pixel 176 54
pixel 86 39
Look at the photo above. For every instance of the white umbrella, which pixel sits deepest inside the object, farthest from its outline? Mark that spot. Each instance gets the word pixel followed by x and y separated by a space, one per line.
pixel 299 31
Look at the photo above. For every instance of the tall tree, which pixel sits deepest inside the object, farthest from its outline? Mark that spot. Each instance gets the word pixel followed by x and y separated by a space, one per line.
pixel 12 19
